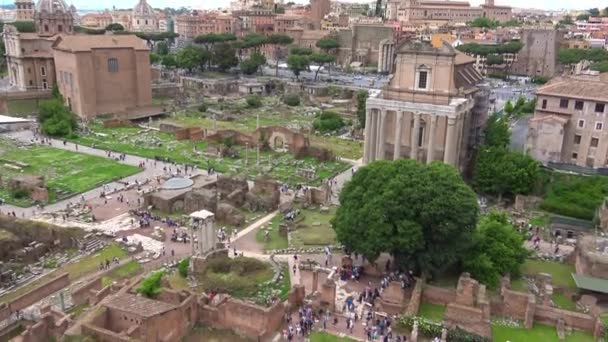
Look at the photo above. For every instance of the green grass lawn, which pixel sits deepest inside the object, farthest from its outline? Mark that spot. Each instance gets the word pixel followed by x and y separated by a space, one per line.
pixel 151 144
pixel 125 271
pixel 275 240
pixel 561 273
pixel 430 311
pixel 540 220
pixel 564 302
pixel 22 108
pixel 65 173
pixel 240 277
pixel 325 337
pixel 76 270
pixel 519 285
pixel 315 229
pixel 538 333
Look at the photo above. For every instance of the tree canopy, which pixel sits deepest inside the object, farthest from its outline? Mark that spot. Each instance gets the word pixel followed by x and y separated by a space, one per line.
pixel 328 43
pixel 484 50
pixel 423 215
pixel 191 57
pixel 224 56
pixel 252 64
pixel 497 250
pixel 298 63
pixel 321 59
pixel 328 121
pixel 485 22
pixel 573 56
pixel 55 118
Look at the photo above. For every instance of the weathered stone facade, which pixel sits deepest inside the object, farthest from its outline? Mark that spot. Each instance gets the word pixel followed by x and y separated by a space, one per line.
pixel 428 111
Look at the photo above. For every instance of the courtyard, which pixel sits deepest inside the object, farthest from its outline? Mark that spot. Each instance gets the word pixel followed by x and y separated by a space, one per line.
pixel 65 173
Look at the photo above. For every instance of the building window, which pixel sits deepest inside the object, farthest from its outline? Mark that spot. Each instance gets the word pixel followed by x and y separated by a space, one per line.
pixel 599 126
pixel 563 103
pixel 577 139
pixel 420 136
pixel 46 28
pixel 581 123
pixel 112 65
pixel 599 107
pixel 29 70
pixel 594 142
pixel 42 71
pixel 578 105
pixel 146 21
pixel 544 105
pixel 422 79
pixel 59 28
pixel 574 155
pixel 45 85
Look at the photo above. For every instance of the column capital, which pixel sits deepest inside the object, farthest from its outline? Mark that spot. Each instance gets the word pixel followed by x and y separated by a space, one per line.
pixel 451 121
pixel 433 119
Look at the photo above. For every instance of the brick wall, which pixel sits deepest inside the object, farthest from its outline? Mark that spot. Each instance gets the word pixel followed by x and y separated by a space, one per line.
pixel 468 318
pixel 35 295
pixel 549 315
pixel 83 294
pixel 249 319
pixel 515 303
pixel 438 295
pixel 102 335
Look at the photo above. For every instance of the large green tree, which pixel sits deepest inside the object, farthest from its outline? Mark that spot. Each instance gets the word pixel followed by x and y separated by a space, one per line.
pixel 321 59
pixel 252 64
pixel 497 250
pixel 279 41
pixel 191 57
pixel 224 56
pixel 496 132
pixel 423 215
pixel 500 172
pixel 298 63
pixel 329 45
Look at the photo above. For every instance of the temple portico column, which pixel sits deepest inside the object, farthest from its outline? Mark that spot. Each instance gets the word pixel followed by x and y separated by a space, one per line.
pixel 367 142
pixel 381 136
pixel 398 132
pixel 373 133
pixel 449 156
pixel 430 152
pixel 414 135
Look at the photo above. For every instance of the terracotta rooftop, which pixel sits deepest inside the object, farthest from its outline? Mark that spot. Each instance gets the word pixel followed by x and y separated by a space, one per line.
pixel 596 90
pixel 138 305
pixel 78 43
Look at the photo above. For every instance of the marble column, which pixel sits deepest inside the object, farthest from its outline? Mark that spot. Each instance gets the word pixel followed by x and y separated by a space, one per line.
pixel 398 132
pixel 430 152
pixel 414 135
pixel 380 141
pixel 367 142
pixel 449 156
pixel 373 133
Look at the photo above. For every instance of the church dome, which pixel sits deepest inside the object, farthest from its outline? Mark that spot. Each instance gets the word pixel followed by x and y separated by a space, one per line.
pixel 52 6
pixel 142 9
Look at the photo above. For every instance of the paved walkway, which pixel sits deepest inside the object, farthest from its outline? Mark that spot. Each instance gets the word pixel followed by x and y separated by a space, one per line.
pixel 151 170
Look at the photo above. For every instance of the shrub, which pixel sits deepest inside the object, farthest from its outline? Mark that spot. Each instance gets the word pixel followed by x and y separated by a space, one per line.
pixel 575 196
pixel 19 193
pixel 183 266
pixel 254 101
pixel 328 121
pixel 202 108
pixel 292 100
pixel 150 287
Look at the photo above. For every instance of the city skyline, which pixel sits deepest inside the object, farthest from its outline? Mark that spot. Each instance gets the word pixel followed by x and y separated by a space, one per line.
pixel 207 4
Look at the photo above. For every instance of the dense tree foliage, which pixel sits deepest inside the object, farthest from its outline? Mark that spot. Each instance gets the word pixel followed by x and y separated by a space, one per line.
pixel 55 118
pixel 224 56
pixel 362 96
pixel 573 56
pixel 162 48
pixel 191 57
pixel 501 172
pixel 497 250
pixel 328 121
pixel 252 64
pixel 494 59
pixel 169 61
pixel 600 66
pixel 151 286
pixel 301 51
pixel 115 27
pixel 423 215
pixel 485 23
pixel 155 58
pixel 298 63
pixel 484 50
pixel 213 38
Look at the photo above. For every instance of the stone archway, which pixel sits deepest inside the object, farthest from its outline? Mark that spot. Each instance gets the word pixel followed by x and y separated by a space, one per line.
pixel 278 142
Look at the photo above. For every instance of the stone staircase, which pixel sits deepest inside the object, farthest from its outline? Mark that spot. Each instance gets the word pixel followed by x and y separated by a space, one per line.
pixel 93 244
